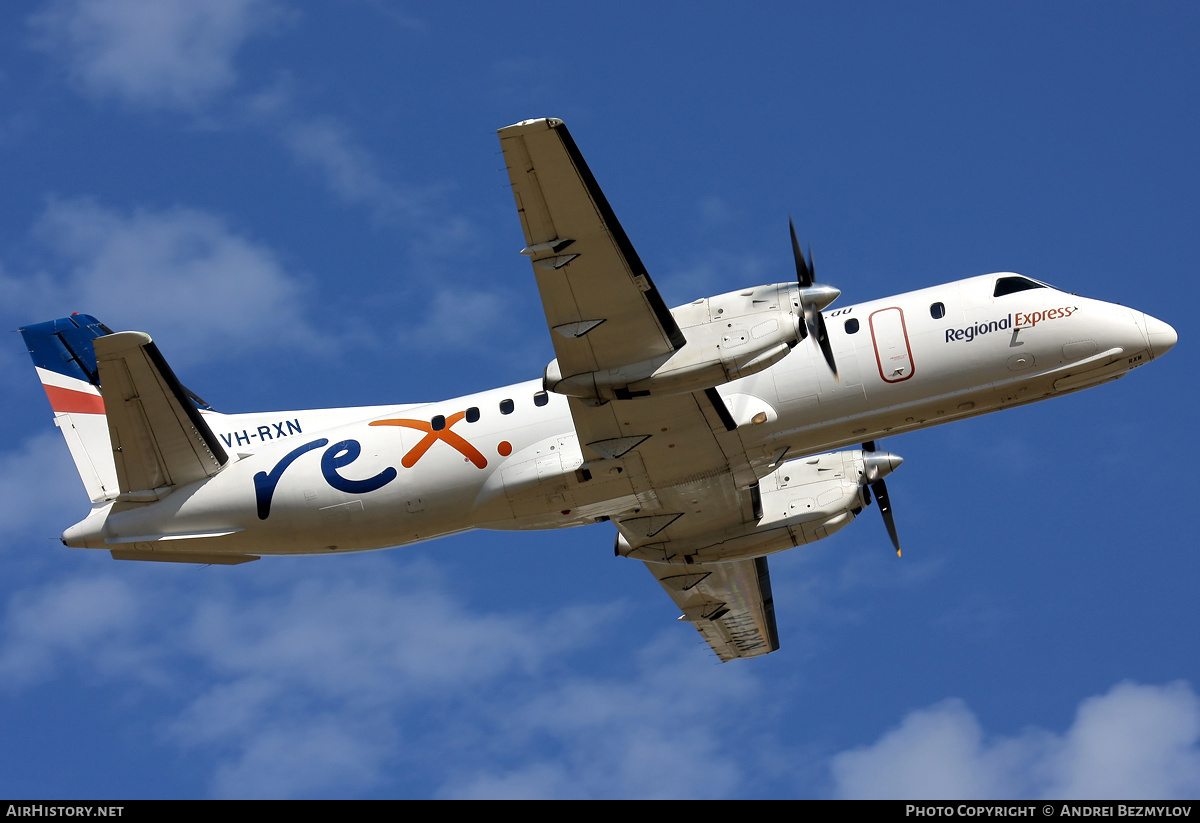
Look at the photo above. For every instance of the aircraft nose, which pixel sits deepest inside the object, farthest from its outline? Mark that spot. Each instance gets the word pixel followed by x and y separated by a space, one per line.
pixel 1161 336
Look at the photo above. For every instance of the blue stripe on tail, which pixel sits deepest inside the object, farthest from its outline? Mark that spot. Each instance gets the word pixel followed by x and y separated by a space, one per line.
pixel 65 345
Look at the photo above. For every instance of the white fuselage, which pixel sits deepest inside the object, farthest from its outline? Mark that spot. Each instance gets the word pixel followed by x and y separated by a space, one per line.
pixel 365 478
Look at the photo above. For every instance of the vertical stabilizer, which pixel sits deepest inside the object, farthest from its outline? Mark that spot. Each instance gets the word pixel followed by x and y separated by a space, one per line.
pixel 132 428
pixel 64 355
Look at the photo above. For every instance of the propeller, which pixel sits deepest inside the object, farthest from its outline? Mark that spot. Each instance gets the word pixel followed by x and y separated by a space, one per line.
pixel 813 297
pixel 876 464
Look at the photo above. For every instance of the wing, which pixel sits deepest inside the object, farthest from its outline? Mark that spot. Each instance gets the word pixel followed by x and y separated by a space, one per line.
pixel 729 603
pixel 687 462
pixel 602 306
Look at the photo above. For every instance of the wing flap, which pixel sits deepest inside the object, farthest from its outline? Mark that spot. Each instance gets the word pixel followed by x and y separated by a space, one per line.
pixel 694 472
pixel 730 604
pixel 158 437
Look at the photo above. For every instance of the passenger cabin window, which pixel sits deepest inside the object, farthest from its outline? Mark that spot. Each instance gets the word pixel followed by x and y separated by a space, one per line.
pixel 438 422
pixel 541 399
pixel 937 311
pixel 1011 285
pixel 506 407
pixel 473 415
pixel 852 325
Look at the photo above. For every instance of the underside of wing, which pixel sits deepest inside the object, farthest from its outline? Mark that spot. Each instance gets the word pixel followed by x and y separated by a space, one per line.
pixel 730 604
pixel 693 476
pixel 600 303
pixel 695 486
pixel 638 396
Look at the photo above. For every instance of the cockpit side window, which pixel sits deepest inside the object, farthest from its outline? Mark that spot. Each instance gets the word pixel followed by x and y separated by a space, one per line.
pixel 1011 285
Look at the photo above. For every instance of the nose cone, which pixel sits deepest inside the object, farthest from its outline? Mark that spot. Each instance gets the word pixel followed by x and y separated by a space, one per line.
pixel 1161 336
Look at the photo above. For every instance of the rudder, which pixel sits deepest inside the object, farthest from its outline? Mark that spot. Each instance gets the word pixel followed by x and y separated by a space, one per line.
pixel 64 356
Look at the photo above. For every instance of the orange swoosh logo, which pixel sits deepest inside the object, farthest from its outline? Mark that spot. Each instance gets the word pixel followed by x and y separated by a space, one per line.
pixel 431 436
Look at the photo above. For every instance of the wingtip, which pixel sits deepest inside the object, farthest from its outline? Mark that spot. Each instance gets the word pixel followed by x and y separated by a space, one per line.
pixel 550 123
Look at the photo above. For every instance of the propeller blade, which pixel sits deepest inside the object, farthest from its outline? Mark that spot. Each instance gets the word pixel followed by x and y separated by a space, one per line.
pixel 803 274
pixel 885 508
pixel 826 348
pixel 814 321
pixel 876 465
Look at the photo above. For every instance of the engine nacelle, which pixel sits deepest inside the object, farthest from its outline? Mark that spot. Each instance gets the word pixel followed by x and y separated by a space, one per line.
pixel 803 500
pixel 728 336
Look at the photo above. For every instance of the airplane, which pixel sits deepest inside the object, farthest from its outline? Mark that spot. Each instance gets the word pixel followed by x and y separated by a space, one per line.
pixel 711 435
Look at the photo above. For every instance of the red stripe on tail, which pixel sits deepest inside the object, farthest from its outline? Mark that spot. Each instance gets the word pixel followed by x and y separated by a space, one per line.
pixel 69 401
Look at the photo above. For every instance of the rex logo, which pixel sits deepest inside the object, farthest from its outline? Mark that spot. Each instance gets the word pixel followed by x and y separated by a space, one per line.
pixel 347 451
pixel 433 435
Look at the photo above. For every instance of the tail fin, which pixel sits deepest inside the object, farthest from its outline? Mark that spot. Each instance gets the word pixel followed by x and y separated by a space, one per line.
pixel 139 435
pixel 64 355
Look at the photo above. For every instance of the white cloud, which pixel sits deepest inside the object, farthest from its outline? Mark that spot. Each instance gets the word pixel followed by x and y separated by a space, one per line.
pixel 308 757
pixel 288 685
pixel 174 54
pixel 1134 742
pixel 936 752
pixel 63 620
pixel 179 55
pixel 221 291
pixel 326 146
pixel 39 484
pixel 329 149
pixel 463 318
pixel 300 686
pixel 295 689
pixel 312 637
pixel 310 688
pixel 625 736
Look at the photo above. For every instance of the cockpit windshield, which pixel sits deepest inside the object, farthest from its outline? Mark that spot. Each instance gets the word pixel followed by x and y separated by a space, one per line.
pixel 1013 284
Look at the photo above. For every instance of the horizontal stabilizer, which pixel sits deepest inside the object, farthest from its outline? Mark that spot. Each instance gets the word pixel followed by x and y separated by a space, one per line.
pixel 159 439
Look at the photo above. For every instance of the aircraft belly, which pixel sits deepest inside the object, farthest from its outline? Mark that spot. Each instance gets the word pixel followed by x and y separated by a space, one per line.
pixel 548 485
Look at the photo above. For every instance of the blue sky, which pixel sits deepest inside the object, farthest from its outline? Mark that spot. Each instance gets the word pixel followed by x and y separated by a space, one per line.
pixel 306 206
